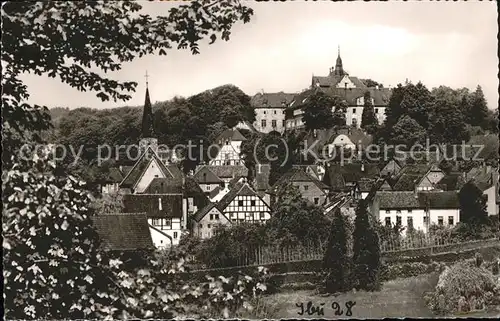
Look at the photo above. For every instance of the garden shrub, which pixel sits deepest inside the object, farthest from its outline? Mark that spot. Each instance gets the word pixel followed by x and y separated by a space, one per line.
pixel 464 287
pixel 409 269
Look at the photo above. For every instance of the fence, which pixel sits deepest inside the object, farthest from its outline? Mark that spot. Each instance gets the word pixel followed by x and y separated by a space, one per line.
pixel 418 245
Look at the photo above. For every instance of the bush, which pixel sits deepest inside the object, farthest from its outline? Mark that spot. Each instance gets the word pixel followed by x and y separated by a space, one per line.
pixel 462 288
pixel 408 269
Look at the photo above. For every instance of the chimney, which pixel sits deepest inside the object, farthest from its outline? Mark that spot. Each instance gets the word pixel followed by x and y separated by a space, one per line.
pixel 362 167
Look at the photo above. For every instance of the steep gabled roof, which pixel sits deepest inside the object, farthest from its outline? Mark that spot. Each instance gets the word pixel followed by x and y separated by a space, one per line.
pixel 298 174
pixel 171 204
pixel 192 189
pixel 123 231
pixel 163 186
pixel 451 182
pixel 241 189
pixel 204 175
pixel 409 176
pixel 114 175
pixel 141 165
pixel 232 134
pixel 397 200
pixel 203 211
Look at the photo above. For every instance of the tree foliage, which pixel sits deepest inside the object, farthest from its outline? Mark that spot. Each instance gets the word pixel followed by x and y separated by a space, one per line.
pixel 407 132
pixel 53 264
pixel 369 120
pixel 366 250
pixel 318 111
pixel 472 205
pixel 477 113
pixel 336 262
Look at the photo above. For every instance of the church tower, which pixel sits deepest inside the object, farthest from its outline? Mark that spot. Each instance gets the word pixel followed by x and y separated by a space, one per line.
pixel 147 138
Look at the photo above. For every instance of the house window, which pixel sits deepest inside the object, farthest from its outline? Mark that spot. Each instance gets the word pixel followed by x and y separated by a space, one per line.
pixel 156 222
pixel 217 217
pixel 211 216
pixel 264 112
pixel 409 211
pixel 409 222
pixel 209 226
pixel 440 220
pixel 316 200
pixel 208 187
pixel 376 110
pixel 306 187
pixel 263 123
pixel 354 110
pixel 227 142
pixel 168 222
pixel 240 203
pixel 252 203
pixel 398 220
pixel 201 225
pixel 450 220
pixel 387 211
pixel 283 111
pixel 275 112
pixel 426 220
pixel 398 212
pixel 388 221
pixel 175 235
pixel 273 123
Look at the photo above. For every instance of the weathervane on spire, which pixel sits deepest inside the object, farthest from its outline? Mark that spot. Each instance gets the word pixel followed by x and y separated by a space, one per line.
pixel 146 76
pixel 339 50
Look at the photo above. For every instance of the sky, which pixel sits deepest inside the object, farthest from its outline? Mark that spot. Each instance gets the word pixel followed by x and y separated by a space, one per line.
pixel 285 43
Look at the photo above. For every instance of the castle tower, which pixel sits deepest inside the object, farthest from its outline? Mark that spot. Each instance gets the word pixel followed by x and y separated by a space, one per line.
pixel 147 138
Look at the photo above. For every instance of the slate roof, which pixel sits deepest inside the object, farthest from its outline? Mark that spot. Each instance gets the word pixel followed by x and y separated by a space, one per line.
pixel 298 174
pixel 409 176
pixel 227 171
pixel 451 182
pixel 123 231
pixel 439 200
pixel 149 204
pixel 206 176
pixel 269 100
pixel 135 173
pixel 350 95
pixel 366 185
pixel 192 189
pixel 163 186
pixel 421 200
pixel 338 175
pixel 484 177
pixel 232 134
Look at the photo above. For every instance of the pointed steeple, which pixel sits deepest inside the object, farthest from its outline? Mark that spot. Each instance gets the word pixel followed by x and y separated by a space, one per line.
pixel 147 116
pixel 339 69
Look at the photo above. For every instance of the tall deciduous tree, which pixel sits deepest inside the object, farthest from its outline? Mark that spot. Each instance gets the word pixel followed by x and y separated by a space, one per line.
pixel 318 111
pixel 369 120
pixel 366 250
pixel 447 124
pixel 336 262
pixel 407 132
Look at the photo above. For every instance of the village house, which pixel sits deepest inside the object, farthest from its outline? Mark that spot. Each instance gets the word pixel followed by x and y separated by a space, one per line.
pixel 229 148
pixel 309 187
pixel 416 210
pixel 243 204
pixel 390 168
pixel 419 177
pixel 270 111
pixel 345 177
pixel 207 179
pixel 207 220
pixel 226 173
pixel 348 138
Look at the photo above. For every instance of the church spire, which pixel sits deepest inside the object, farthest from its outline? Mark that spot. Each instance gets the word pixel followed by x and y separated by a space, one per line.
pixel 147 116
pixel 339 69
